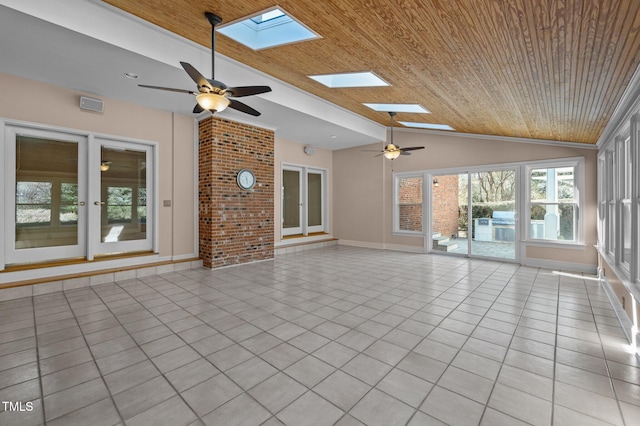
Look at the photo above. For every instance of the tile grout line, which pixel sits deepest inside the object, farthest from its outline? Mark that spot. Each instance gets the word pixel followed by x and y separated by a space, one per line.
pixel 486 404
pixel 93 359
pixel 604 354
pixel 35 332
pixel 186 344
pixel 148 358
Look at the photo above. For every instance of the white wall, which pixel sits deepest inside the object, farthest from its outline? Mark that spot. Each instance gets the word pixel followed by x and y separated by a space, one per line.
pixel 35 102
pixel 363 190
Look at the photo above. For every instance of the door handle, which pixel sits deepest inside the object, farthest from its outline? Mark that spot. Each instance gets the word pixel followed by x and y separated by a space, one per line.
pixel 82 203
pixel 98 203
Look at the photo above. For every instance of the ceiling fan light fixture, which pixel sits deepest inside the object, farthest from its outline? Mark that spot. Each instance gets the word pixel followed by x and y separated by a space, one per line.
pixel 391 152
pixel 212 101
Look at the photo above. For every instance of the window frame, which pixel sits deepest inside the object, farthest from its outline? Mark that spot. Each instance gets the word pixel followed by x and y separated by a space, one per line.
pixel 620 159
pixel 397 177
pixel 578 187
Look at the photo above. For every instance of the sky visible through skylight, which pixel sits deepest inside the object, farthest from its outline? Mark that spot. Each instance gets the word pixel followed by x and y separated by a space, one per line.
pixel 350 79
pixel 268 29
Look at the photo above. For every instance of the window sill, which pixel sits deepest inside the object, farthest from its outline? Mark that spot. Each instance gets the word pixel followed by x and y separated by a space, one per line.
pixel 555 244
pixel 407 233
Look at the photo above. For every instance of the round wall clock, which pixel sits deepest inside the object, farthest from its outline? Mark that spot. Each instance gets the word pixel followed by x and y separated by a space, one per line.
pixel 246 179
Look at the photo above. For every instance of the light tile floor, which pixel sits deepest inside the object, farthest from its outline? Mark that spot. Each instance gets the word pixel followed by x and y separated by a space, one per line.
pixel 337 335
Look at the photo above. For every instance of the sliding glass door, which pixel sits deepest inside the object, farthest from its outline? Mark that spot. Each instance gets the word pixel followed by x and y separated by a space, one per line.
pixel 449 201
pixel 493 213
pixel 473 213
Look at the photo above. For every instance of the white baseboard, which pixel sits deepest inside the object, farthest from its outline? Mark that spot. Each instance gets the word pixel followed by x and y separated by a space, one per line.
pixel 185 256
pixel 404 248
pixel 625 322
pixel 563 266
pixel 363 244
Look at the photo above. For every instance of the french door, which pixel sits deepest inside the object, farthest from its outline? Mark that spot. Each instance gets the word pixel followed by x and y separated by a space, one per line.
pixel 303 200
pixel 292 196
pixel 74 196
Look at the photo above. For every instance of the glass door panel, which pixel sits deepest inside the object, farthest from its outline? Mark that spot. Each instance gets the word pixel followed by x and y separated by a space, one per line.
pixel 46 209
pixel 125 197
pixel 315 209
pixel 493 218
pixel 291 201
pixel 450 227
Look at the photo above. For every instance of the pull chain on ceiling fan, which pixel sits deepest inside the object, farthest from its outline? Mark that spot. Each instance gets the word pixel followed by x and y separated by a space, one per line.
pixel 214 95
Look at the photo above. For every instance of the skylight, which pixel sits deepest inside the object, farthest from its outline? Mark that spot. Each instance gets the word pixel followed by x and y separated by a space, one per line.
pixel 261 19
pixel 398 108
pixel 269 28
pixel 350 79
pixel 427 125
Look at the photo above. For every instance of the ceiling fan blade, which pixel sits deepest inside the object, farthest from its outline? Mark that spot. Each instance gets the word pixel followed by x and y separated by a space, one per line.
pixel 197 109
pixel 169 89
pixel 405 153
pixel 412 148
pixel 238 92
pixel 195 75
pixel 237 105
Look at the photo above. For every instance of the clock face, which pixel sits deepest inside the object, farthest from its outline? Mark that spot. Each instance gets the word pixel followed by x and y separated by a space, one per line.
pixel 246 179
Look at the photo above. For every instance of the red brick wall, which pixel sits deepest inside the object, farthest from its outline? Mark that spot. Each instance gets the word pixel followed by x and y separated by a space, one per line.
pixel 235 226
pixel 410 204
pixel 445 205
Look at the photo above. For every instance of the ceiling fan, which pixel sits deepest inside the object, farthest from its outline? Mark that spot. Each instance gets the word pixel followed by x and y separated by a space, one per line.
pixel 392 151
pixel 211 94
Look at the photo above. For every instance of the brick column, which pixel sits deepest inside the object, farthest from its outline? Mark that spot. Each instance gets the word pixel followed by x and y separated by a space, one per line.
pixel 235 226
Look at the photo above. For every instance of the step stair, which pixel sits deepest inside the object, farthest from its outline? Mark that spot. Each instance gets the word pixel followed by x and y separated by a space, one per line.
pixel 441 243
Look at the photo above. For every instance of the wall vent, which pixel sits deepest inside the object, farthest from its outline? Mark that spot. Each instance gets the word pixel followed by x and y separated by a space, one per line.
pixel 91 104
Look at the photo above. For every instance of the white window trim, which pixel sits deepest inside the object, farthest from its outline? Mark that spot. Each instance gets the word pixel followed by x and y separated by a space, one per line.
pixel 396 204
pixel 578 165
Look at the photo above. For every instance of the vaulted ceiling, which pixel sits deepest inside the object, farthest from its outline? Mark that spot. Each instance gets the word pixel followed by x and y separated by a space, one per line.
pixel 541 69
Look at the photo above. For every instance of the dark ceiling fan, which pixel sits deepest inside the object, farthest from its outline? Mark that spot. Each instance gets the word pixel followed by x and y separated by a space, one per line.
pixel 211 94
pixel 392 151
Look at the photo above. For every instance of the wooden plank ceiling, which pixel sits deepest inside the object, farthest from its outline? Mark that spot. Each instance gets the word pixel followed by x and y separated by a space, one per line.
pixel 542 69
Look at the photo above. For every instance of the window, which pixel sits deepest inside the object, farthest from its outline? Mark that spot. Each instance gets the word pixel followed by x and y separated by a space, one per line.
pixel 624 200
pixel 619 203
pixel 119 204
pixel 33 203
pixel 269 28
pixel 68 203
pixel 554 203
pixel 408 204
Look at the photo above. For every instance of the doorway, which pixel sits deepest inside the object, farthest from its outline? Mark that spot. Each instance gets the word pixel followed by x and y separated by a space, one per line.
pixel 304 200
pixel 75 196
pixel 473 214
